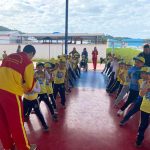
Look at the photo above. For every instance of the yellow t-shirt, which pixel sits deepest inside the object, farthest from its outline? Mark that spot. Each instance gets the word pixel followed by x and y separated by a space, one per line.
pixel 145 106
pixel 122 77
pixel 119 72
pixel 140 82
pixel 127 79
pixel 32 95
pixel 43 86
pixel 42 81
pixel 59 76
pixel 49 87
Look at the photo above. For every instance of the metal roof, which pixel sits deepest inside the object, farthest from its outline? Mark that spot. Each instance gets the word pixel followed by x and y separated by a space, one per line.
pixel 61 36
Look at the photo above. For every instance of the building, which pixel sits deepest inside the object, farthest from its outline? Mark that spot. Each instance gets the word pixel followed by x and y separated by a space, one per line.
pixel 52 44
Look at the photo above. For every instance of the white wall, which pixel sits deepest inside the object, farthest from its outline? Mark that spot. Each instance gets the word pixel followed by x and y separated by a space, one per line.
pixel 53 50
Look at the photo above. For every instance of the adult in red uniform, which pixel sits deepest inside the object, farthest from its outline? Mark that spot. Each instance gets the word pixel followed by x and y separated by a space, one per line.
pixel 94 57
pixel 16 78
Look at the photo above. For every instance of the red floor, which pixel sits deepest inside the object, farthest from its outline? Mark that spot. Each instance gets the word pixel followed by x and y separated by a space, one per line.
pixel 88 123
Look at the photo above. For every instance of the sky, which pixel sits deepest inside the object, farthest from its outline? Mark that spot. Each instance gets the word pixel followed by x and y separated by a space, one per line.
pixel 123 18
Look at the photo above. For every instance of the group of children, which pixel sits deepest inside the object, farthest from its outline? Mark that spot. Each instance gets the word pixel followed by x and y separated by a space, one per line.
pixel 130 79
pixel 52 78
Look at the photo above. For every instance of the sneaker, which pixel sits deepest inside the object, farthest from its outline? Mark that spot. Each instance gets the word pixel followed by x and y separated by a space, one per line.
pixel 63 106
pixel 66 92
pixel 55 111
pixel 54 117
pixel 26 118
pixel 115 106
pixel 33 147
pixel 120 112
pixel 32 112
pixel 69 90
pixel 122 122
pixel 13 147
pixel 46 128
pixel 138 144
pixel 139 141
pixel 107 90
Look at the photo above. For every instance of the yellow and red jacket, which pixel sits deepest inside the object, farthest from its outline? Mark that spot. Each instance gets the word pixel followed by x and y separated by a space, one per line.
pixel 17 74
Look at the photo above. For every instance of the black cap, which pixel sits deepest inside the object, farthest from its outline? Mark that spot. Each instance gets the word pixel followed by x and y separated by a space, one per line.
pixel 146 46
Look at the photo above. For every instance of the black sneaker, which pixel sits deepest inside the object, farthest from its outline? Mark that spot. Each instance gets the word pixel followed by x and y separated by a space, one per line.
pixel 26 118
pixel 139 141
pixel 122 122
pixel 46 128
pixel 33 147
pixel 138 144
pixel 63 106
pixel 54 117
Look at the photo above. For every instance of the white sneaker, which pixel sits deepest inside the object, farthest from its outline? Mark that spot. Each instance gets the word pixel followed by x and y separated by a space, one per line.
pixel 120 112
pixel 55 111
pixel 33 147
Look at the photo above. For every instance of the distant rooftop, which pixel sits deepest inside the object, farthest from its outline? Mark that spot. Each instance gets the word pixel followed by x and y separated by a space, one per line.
pixel 61 36
pixel 55 37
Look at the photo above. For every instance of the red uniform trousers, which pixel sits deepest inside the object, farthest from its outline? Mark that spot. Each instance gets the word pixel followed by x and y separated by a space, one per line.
pixel 94 63
pixel 11 122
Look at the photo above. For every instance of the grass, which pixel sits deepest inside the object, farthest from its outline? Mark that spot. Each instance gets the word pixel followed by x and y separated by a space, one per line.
pixel 125 53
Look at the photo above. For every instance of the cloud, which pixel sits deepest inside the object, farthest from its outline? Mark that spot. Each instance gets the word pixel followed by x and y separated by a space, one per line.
pixel 116 17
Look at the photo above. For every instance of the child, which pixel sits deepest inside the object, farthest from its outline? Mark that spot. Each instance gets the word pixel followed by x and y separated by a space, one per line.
pixel 114 66
pixel 75 66
pixel 134 86
pixel 49 68
pixel 43 96
pixel 118 83
pixel 30 101
pixel 84 62
pixel 145 112
pixel 137 104
pixel 125 88
pixel 59 81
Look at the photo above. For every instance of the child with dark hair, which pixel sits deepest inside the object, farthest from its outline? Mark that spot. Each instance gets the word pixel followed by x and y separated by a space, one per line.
pixel 43 96
pixel 133 73
pixel 137 104
pixel 125 88
pixel 30 101
pixel 59 81
pixel 145 112
pixel 118 84
pixel 50 68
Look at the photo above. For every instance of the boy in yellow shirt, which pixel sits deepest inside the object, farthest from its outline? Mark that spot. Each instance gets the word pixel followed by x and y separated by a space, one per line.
pixel 118 83
pixel 43 96
pixel 59 81
pixel 30 101
pixel 145 112
pixel 137 103
pixel 125 88
pixel 49 86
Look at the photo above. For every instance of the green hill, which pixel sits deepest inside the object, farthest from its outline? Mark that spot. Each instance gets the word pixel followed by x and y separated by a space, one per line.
pixel 4 29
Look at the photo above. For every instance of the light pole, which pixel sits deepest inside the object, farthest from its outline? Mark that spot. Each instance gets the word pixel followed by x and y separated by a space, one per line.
pixel 66 28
